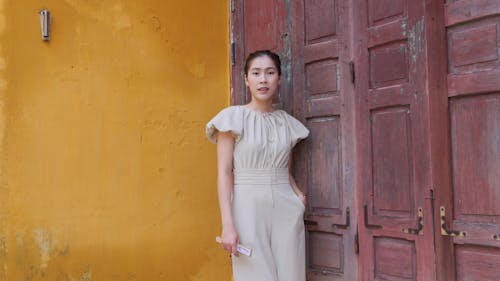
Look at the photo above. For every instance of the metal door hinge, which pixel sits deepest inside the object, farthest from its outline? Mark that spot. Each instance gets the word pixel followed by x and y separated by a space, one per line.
pixel 367 223
pixel 356 242
pixel 444 230
pixel 353 72
pixel 233 53
pixel 310 222
pixel 347 220
pixel 420 224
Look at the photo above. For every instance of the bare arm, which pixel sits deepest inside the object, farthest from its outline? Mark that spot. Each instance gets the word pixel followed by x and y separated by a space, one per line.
pixel 225 146
pixel 293 183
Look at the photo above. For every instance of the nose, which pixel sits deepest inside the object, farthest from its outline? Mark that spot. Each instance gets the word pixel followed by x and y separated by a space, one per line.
pixel 263 78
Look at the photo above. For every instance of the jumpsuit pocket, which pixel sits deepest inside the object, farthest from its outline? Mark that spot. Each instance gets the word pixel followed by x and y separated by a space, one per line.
pixel 297 199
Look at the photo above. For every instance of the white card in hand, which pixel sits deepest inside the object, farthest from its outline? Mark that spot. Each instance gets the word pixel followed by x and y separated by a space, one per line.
pixel 240 248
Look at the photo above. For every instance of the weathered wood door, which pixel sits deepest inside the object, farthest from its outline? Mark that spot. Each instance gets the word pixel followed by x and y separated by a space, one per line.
pixel 392 131
pixel 402 98
pixel 468 200
pixel 323 98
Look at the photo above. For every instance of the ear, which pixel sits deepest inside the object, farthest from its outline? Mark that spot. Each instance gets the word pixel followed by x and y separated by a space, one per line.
pixel 246 80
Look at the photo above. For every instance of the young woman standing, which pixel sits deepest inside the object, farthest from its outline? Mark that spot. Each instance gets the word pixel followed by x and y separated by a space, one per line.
pixel 261 205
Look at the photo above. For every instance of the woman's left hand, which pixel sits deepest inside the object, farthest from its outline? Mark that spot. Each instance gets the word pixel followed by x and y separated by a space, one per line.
pixel 303 199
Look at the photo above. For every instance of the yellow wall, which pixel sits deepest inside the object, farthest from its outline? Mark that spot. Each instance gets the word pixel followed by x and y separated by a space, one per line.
pixel 105 172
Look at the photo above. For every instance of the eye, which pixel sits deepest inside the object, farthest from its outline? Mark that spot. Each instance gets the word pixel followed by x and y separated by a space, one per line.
pixel 272 72
pixel 255 73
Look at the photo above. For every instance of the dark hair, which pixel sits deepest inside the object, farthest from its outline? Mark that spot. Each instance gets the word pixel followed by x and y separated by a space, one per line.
pixel 261 53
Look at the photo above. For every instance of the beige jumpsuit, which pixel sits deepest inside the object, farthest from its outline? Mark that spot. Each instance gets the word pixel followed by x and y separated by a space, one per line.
pixel 267 213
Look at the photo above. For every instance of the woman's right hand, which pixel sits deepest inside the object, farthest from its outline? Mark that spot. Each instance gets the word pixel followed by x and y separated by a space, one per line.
pixel 230 239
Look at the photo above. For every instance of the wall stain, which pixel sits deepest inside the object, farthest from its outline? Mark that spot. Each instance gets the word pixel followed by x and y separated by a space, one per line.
pixel 87 275
pixel 45 245
pixel 3 257
pixel 155 24
pixel 121 19
pixel 85 9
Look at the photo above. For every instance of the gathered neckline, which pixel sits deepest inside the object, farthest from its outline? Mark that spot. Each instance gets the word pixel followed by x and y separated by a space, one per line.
pixel 260 113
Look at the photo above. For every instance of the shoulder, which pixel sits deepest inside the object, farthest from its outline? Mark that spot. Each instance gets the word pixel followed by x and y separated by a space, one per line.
pixel 297 129
pixel 232 113
pixel 291 119
pixel 228 119
pixel 231 109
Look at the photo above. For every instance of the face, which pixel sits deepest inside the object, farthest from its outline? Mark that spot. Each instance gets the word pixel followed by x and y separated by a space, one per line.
pixel 262 79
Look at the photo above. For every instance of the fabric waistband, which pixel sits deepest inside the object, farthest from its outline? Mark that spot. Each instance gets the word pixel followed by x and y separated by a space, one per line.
pixel 264 176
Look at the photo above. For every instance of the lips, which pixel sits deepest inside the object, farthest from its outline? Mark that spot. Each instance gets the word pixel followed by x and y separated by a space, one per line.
pixel 263 89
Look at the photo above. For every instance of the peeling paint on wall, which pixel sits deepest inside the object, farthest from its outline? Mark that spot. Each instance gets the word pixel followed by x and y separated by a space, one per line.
pixel 88 9
pixel 415 39
pixel 45 246
pixel 121 18
pixel 404 26
pixel 87 275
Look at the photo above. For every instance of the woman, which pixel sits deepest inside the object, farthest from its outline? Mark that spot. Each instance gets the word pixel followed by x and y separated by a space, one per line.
pixel 261 205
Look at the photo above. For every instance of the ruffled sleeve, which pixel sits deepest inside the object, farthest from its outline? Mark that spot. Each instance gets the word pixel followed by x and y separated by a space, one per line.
pixel 227 120
pixel 298 131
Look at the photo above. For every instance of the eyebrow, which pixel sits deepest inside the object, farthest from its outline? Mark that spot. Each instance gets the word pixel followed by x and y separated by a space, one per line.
pixel 258 68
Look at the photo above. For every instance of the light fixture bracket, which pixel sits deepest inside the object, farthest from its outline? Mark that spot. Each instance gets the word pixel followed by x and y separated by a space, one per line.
pixel 45 22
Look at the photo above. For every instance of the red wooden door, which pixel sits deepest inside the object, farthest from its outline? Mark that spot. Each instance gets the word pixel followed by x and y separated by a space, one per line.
pixel 396 233
pixel 468 205
pixel 402 98
pixel 323 98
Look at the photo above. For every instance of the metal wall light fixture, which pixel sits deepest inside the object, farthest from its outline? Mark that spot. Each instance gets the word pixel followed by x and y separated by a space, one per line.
pixel 45 24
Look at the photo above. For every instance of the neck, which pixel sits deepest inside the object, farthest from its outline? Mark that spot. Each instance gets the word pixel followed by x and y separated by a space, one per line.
pixel 261 106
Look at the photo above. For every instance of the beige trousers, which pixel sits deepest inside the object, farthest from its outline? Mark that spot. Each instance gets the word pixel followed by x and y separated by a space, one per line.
pixel 269 219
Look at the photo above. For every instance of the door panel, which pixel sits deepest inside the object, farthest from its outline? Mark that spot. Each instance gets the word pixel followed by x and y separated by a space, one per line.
pixel 325 177
pixel 477 263
pixel 325 253
pixel 395 259
pixel 392 161
pixel 264 25
pixel 475 136
pixel 471 213
pixel 396 238
pixel 323 99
